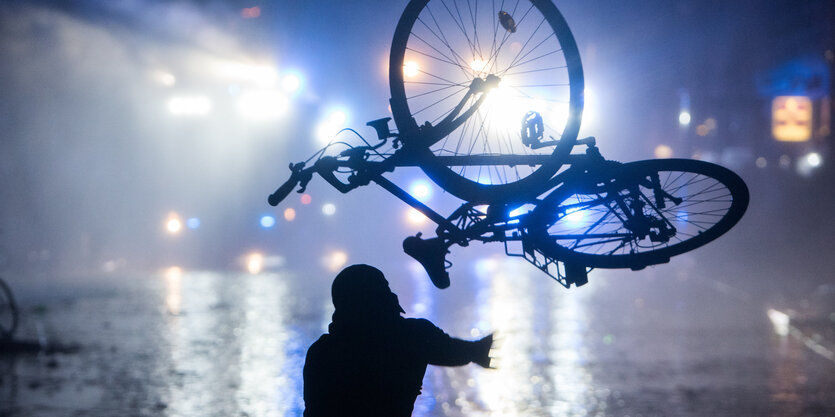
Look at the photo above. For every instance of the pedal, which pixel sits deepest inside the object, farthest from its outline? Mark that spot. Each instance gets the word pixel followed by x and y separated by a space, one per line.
pixel 576 274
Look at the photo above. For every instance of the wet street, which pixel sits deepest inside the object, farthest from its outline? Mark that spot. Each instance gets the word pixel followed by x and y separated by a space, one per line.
pixel 660 342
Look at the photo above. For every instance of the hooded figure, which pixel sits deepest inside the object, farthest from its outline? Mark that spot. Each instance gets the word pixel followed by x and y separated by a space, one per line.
pixel 372 361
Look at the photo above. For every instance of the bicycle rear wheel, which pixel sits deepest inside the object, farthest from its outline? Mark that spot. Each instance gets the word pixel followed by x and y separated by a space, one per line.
pixel 441 46
pixel 646 213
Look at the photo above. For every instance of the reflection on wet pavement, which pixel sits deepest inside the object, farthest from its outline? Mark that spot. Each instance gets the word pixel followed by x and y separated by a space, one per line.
pixel 656 343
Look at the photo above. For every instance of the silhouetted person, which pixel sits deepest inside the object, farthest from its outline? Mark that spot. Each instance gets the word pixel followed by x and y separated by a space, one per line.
pixel 372 361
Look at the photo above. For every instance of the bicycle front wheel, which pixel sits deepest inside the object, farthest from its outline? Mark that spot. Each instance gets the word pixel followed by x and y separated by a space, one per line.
pixel 440 47
pixel 646 213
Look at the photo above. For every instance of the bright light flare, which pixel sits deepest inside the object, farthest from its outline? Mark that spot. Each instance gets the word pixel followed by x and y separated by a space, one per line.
pixel 684 118
pixel 331 125
pixel 263 105
pixel 420 190
pixel 813 159
pixel 411 69
pixel 478 65
pixel 291 83
pixel 173 224
pixel 781 321
pixel 189 105
pixel 328 209
pixel 808 163
pixel 255 263
pixel 575 215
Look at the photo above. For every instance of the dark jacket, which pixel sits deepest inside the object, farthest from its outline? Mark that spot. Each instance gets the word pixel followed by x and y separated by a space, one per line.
pixel 377 370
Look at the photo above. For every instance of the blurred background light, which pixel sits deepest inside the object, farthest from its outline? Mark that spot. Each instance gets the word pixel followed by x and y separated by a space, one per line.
pixel 813 159
pixel 663 151
pixel 189 105
pixel 808 163
pixel 684 118
pixel 477 64
pixel 415 217
pixel 333 122
pixel 411 69
pixel 267 221
pixel 193 223
pixel 575 215
pixel 289 214
pixel 164 78
pixel 254 263
pixel 780 321
pixel 291 83
pixel 173 224
pixel 306 199
pixel 335 260
pixel 421 190
pixel 328 209
pixel 761 162
pixel 262 105
pixel 265 76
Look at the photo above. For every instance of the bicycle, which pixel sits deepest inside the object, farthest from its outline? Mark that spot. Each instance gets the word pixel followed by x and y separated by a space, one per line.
pixel 499 132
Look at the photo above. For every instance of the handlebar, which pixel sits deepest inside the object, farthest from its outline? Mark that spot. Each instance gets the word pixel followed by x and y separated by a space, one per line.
pixel 295 178
pixel 282 192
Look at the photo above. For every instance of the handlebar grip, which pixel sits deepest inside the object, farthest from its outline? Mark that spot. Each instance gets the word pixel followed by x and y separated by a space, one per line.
pixel 282 192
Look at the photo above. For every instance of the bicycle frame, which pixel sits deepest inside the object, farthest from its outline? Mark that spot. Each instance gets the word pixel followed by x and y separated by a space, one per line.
pixel 465 224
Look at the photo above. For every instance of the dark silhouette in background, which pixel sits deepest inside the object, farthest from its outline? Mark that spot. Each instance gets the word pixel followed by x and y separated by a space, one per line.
pixel 372 361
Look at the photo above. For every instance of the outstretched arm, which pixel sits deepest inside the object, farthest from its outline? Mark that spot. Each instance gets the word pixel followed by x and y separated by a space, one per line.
pixel 443 350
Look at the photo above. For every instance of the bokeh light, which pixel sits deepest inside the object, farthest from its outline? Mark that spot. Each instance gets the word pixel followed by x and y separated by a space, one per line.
pixel 663 151
pixel 193 223
pixel 173 224
pixel 289 214
pixel 420 189
pixel 684 118
pixel 255 263
pixel 328 209
pixel 306 199
pixel 335 260
pixel 267 221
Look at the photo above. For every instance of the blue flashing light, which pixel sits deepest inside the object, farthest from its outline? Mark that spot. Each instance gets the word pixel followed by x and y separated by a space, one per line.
pixel 193 223
pixel 267 221
pixel 421 190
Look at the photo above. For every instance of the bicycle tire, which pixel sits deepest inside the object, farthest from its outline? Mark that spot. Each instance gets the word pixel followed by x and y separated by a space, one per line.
pixel 8 312
pixel 714 199
pixel 561 92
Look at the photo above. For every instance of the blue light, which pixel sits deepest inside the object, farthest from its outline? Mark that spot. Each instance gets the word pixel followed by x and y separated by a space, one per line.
pixel 421 190
pixel 193 223
pixel 267 221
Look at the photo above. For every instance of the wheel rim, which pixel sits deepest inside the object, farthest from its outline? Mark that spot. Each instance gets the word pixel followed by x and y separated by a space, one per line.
pixel 440 46
pixel 713 201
